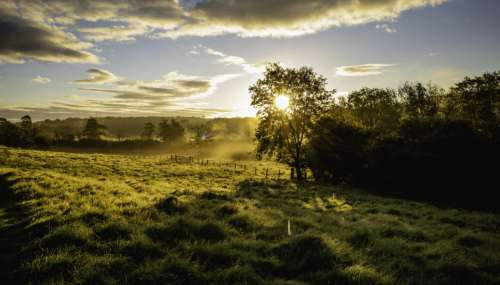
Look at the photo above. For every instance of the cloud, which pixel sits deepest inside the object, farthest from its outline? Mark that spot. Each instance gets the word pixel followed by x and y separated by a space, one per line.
pixel 232 60
pixel 362 69
pixel 52 30
pixel 171 87
pixel 386 28
pixel 22 39
pixel 120 33
pixel 98 76
pixel 287 18
pixel 41 80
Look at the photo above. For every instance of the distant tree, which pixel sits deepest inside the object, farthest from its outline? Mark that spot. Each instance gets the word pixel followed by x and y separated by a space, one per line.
pixel 375 108
pixel 28 132
pixel 93 130
pixel 171 132
pixel 63 133
pixel 420 101
pixel 177 131
pixel 26 123
pixel 284 133
pixel 163 130
pixel 149 131
pixel 10 134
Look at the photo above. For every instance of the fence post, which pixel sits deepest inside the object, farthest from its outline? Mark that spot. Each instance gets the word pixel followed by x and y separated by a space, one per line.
pixel 279 174
pixel 267 172
pixel 292 173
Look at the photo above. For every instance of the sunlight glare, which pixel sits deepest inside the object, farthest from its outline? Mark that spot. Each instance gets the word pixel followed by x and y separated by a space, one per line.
pixel 281 102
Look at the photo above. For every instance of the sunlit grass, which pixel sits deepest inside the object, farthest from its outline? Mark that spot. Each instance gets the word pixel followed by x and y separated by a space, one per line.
pixel 104 219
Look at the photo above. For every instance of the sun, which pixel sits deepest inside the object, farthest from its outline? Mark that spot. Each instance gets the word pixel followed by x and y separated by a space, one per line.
pixel 281 102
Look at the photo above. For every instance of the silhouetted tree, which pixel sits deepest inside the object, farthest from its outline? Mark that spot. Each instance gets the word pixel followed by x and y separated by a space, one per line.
pixel 420 101
pixel 149 131
pixel 93 130
pixel 284 134
pixel 478 100
pixel 375 108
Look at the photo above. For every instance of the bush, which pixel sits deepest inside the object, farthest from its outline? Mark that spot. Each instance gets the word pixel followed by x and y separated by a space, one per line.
pixel 432 159
pixel 338 151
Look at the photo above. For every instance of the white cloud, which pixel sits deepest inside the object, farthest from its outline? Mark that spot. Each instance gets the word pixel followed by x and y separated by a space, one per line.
pixel 386 28
pixel 233 60
pixel 41 80
pixel 362 69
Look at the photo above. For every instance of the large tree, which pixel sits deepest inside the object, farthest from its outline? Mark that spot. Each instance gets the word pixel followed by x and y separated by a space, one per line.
pixel 288 102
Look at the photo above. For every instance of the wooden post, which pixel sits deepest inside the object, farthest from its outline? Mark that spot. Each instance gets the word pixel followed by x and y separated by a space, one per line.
pixel 255 170
pixel 292 173
pixel 279 174
pixel 267 172
pixel 235 166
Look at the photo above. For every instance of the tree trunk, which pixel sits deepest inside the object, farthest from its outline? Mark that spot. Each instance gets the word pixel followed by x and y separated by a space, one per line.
pixel 298 171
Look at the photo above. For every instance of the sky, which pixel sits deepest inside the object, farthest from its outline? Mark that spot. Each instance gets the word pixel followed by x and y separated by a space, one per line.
pixel 65 58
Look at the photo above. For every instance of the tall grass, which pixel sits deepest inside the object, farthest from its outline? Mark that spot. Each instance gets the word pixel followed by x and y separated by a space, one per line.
pixel 109 219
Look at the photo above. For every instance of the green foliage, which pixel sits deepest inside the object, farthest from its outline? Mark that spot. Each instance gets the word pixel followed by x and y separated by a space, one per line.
pixel 375 108
pixel 478 100
pixel 419 101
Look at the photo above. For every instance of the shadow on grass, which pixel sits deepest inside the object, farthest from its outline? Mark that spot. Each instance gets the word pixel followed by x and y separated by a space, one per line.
pixel 15 232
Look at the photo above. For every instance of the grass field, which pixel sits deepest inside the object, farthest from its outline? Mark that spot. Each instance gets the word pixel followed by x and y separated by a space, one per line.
pixel 109 219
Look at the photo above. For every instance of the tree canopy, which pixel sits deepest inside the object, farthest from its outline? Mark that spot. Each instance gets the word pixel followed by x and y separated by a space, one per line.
pixel 283 133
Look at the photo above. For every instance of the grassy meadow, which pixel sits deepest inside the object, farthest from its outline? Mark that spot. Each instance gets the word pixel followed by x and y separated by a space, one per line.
pixel 115 219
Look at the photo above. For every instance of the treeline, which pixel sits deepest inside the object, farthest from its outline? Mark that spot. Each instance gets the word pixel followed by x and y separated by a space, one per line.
pixel 418 141
pixel 118 133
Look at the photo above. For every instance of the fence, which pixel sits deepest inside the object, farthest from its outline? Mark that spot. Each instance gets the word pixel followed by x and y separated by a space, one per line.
pixel 267 173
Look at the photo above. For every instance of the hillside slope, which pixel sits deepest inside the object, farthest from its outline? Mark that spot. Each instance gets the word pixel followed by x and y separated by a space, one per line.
pixel 106 219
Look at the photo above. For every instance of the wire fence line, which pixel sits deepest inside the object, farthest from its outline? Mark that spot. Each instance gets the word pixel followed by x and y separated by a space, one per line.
pixel 266 172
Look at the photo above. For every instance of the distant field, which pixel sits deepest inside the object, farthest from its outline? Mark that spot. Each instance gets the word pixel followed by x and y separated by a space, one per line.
pixel 110 219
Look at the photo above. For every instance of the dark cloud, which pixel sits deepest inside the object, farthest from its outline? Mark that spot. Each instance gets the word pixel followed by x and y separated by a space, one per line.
pixel 22 39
